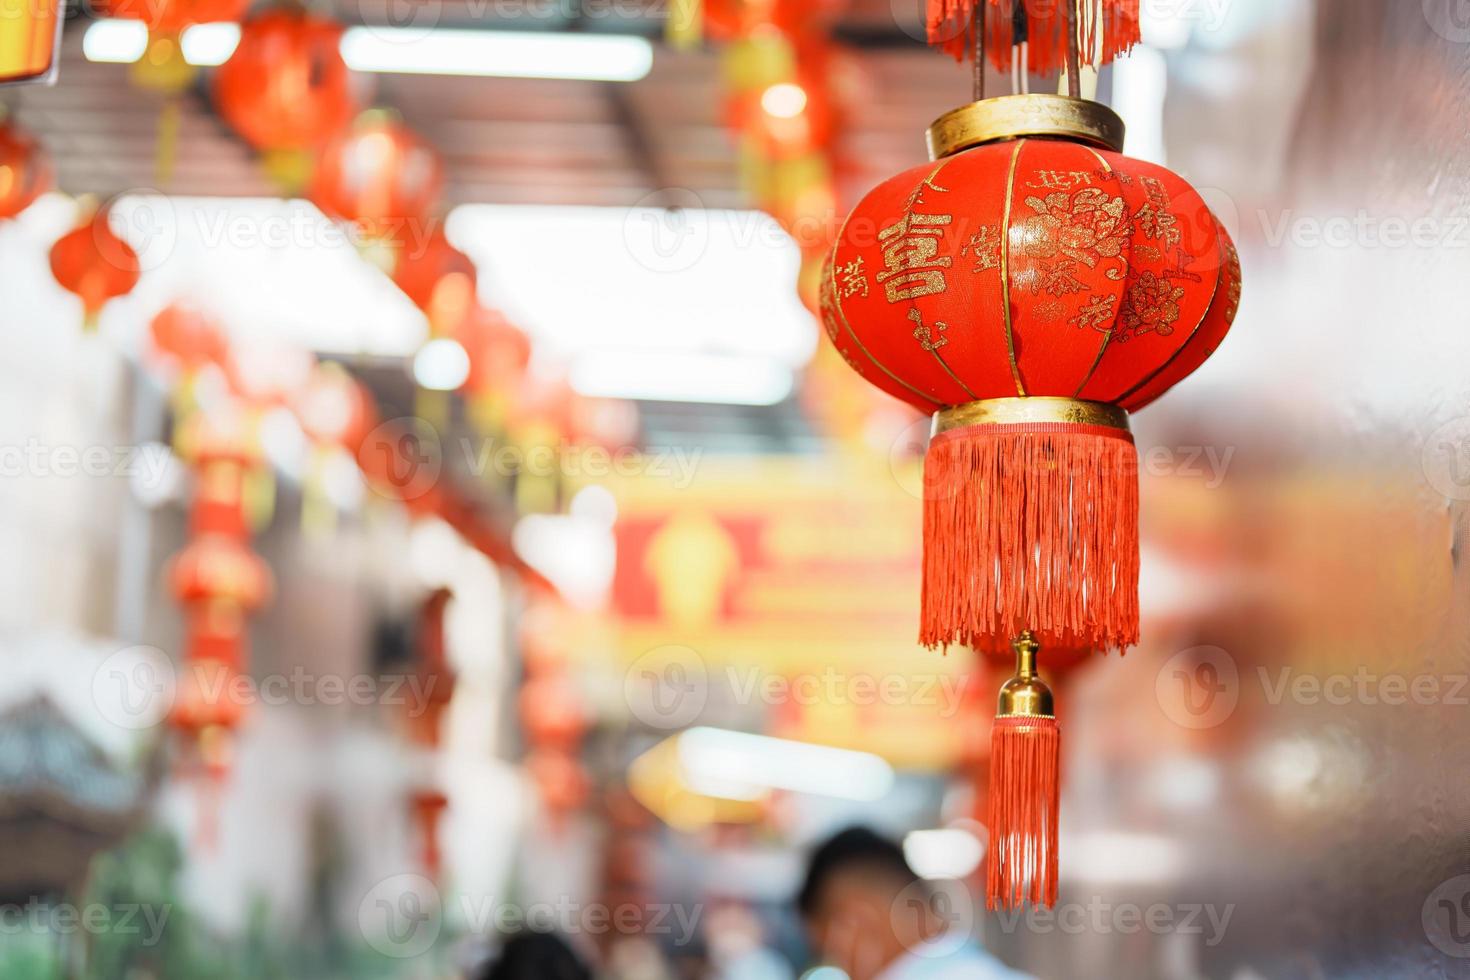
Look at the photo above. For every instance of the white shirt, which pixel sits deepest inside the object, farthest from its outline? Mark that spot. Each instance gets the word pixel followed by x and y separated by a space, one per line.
pixel 967 962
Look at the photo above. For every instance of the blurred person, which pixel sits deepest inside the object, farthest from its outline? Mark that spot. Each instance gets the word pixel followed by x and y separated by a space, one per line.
pixel 532 955
pixel 738 947
pixel 867 913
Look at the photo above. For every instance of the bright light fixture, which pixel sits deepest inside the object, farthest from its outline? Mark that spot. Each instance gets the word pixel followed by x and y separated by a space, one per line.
pixel 677 376
pixel 784 100
pixel 441 365
pixel 738 766
pixel 118 42
pixel 207 45
pixel 949 852
pixel 411 51
pixel 525 54
pixel 688 304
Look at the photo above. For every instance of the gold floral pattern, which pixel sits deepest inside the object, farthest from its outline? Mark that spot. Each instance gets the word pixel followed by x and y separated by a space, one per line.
pixel 1151 305
pixel 1086 226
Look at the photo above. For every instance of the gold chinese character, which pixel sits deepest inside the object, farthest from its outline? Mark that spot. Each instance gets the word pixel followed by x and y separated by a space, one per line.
pixel 922 333
pixel 1063 180
pixel 984 245
pixel 854 279
pixel 912 264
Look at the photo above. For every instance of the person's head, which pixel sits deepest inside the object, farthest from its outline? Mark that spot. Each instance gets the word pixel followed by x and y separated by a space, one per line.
pixel 862 904
pixel 534 955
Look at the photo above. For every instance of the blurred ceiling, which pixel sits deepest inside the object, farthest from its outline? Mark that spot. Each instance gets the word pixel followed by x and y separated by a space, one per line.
pixel 508 140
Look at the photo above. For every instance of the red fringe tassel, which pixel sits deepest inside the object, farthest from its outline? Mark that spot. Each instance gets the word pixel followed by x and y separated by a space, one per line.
pixel 950 26
pixel 1031 526
pixel 1024 803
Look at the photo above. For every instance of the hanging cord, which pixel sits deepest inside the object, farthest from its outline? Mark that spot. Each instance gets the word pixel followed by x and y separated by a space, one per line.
pixel 977 31
pixel 1074 55
pixel 1020 48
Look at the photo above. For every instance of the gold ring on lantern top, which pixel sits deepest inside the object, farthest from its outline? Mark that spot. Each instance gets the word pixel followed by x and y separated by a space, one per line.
pixel 1013 116
pixel 1029 410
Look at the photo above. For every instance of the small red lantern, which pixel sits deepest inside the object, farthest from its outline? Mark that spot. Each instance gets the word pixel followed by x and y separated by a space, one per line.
pixel 552 713
pixel 334 408
pixel 186 338
pixel 218 568
pixel 25 170
pixel 286 89
pixel 380 176
pixel 92 262
pixel 560 779
pixel 421 268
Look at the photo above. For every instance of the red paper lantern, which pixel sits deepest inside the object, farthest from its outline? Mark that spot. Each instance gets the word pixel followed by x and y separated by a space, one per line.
pixel 25 171
pixel 380 176
pixel 286 87
pixel 92 262
pixel 1030 291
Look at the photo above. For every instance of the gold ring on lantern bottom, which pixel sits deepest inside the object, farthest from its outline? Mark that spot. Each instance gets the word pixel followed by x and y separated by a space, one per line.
pixel 1029 410
pixel 1014 116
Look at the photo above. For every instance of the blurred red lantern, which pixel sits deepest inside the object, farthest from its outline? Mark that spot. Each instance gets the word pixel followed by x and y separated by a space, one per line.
pixel 25 171
pixel 267 373
pixel 427 806
pixel 552 713
pixel 215 567
pixel 380 176
pixel 421 268
pixel 499 351
pixel 286 87
pixel 207 695
pixel 92 262
pixel 186 338
pixel 560 779
pixel 334 408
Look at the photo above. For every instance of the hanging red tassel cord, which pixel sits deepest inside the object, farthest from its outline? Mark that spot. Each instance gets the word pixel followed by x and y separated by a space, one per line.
pixel 950 26
pixel 1025 799
pixel 1025 782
